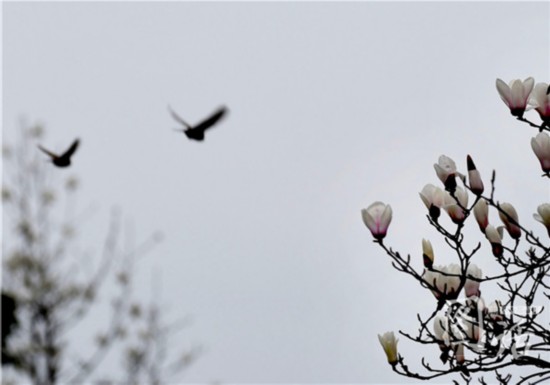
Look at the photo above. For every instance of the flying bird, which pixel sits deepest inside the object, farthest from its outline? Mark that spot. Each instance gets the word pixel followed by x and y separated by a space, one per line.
pixel 197 132
pixel 63 160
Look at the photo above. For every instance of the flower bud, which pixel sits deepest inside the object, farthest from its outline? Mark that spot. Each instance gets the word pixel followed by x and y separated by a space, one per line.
pixel 476 184
pixel 455 206
pixel 543 216
pixel 377 218
pixel 471 287
pixel 481 213
pixel 427 253
pixel 515 94
pixel 459 353
pixel 495 239
pixel 510 220
pixel 389 344
pixel 541 147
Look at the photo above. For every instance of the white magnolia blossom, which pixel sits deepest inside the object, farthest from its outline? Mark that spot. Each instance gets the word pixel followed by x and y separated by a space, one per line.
pixel 543 215
pixel 433 197
pixel 444 280
pixel 510 220
pixel 377 218
pixel 515 94
pixel 445 169
pixel 541 147
pixel 481 213
pixel 471 287
pixel 452 206
pixel 389 344
pixel 540 100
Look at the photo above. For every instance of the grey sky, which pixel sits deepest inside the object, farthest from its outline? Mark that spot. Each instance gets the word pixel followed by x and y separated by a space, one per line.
pixel 332 106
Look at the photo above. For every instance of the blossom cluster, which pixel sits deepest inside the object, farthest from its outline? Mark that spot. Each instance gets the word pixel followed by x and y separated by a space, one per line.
pixel 446 282
pixel 521 96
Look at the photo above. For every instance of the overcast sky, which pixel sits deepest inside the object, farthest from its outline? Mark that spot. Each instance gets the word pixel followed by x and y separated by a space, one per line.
pixel 332 106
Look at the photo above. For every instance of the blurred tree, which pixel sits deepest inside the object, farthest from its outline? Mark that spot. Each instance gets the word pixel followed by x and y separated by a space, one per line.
pixel 50 287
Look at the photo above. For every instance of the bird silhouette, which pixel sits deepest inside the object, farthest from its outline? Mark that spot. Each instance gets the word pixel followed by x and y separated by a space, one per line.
pixel 63 160
pixel 197 132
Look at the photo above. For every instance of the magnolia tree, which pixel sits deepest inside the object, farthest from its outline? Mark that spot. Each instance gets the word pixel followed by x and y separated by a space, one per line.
pixel 474 334
pixel 51 289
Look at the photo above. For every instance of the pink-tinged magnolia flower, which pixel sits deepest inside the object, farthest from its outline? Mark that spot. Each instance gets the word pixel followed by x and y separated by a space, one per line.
pixel 481 213
pixel 389 344
pixel 543 215
pixel 495 238
pixel 510 220
pixel 474 177
pixel 541 147
pixel 377 218
pixel 540 99
pixel 471 287
pixel 515 94
pixel 427 253
pixel 433 197
pixel 455 207
pixel 445 169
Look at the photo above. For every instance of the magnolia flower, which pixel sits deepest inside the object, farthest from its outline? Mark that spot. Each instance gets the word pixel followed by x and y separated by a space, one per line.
pixel 377 218
pixel 455 206
pixel 481 213
pixel 389 343
pixel 543 215
pixel 445 169
pixel 541 147
pixel 540 99
pixel 476 184
pixel 427 253
pixel 471 287
pixel 443 286
pixel 515 94
pixel 510 220
pixel 495 238
pixel 433 197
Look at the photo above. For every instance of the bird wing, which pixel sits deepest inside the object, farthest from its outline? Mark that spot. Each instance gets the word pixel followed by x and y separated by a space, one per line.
pixel 47 152
pixel 71 149
pixel 211 120
pixel 178 118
